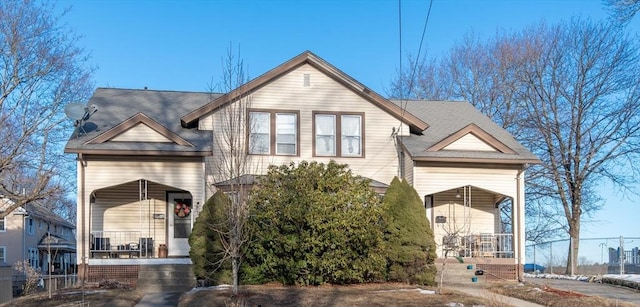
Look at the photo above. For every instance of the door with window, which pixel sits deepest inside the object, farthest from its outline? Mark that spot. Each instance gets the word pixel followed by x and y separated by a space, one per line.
pixel 179 223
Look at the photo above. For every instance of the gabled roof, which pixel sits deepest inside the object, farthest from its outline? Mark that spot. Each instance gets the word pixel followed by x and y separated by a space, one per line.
pixel 477 132
pixel 133 121
pixel 451 120
pixel 122 109
pixel 417 125
pixel 37 211
pixel 56 244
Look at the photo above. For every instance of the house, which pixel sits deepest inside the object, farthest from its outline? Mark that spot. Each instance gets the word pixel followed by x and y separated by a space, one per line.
pixel 32 233
pixel 147 160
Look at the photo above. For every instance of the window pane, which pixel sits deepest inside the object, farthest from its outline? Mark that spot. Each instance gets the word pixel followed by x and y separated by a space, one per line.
pixel 286 133
pixel 259 137
pixel 325 135
pixel 351 135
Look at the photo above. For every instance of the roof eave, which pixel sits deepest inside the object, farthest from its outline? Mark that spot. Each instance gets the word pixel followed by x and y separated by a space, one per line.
pixel 477 160
pixel 417 125
pixel 115 152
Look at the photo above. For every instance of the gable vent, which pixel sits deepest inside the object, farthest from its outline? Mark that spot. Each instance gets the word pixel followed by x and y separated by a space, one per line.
pixel 307 80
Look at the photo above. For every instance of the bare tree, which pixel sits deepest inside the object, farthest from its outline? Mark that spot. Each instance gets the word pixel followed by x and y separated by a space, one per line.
pixel 41 70
pixel 623 10
pixel 574 91
pixel 231 163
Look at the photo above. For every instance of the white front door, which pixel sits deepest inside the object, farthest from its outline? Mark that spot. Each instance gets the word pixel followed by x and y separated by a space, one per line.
pixel 180 220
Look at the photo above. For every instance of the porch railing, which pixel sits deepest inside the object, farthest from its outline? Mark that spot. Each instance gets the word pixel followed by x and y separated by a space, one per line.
pixel 482 245
pixel 120 244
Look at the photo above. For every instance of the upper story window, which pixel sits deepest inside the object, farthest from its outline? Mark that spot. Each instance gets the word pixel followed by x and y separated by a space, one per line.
pixel 338 134
pixel 273 132
pixel 30 226
pixel 3 224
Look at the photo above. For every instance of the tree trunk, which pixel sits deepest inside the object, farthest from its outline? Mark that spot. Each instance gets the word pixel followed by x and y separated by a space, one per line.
pixel 234 269
pixel 574 244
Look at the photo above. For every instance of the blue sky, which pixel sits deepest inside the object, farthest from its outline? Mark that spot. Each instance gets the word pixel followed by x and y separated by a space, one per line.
pixel 179 45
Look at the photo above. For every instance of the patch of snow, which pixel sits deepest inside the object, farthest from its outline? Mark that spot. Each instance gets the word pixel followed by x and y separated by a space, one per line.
pixel 627 277
pixel 557 276
pixel 215 288
pixel 452 304
pixel 421 291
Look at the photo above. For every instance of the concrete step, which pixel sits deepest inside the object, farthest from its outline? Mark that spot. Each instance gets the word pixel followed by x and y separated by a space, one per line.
pixel 459 274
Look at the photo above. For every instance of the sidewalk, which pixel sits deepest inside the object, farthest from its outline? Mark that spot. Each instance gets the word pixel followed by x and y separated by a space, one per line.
pixel 486 294
pixel 169 299
pixel 594 289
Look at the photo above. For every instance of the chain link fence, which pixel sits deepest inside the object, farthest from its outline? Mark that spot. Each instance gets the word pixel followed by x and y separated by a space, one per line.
pixel 596 256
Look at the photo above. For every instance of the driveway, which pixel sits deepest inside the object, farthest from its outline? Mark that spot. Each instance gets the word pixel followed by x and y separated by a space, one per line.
pixel 593 289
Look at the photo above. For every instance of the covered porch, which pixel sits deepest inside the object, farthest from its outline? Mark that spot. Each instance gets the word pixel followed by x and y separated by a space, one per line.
pixel 138 220
pixel 473 223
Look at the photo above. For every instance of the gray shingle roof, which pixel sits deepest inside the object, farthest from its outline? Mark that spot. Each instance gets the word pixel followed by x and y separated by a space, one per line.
pixel 163 107
pixel 446 118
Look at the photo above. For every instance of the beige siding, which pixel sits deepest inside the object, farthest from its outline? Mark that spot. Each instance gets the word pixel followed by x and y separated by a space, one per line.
pixel 469 142
pixel 123 212
pixel 324 94
pixel 119 209
pixel 431 180
pixel 474 217
pixel 408 168
pixel 488 185
pixel 141 133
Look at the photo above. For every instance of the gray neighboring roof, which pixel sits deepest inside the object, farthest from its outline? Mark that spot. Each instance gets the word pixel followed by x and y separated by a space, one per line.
pixel 40 212
pixel 448 117
pixel 165 108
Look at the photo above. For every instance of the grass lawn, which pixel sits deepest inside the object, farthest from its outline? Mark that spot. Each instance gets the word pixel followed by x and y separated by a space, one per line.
pixel 388 294
pixel 548 296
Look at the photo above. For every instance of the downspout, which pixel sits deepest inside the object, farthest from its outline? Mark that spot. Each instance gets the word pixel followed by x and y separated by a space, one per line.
pixel 519 227
pixel 83 237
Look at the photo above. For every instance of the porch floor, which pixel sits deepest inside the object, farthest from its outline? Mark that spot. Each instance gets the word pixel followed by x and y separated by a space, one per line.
pixel 139 261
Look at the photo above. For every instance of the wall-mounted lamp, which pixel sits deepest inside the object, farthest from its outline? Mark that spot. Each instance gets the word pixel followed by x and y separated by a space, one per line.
pixel 458 193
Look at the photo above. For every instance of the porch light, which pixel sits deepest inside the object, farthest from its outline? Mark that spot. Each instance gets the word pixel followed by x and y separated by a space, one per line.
pixel 458 193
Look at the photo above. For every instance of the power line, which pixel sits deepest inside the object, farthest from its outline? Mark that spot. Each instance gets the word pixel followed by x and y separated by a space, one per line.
pixel 404 100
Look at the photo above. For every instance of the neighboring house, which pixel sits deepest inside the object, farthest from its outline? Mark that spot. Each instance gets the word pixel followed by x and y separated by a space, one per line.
pixel 31 232
pixel 145 152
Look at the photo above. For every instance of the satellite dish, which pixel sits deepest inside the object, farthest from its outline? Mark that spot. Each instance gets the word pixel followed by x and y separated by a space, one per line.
pixel 79 113
pixel 88 111
pixel 74 111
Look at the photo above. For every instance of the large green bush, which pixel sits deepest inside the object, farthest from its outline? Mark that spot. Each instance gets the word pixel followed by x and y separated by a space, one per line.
pixel 207 253
pixel 314 224
pixel 410 246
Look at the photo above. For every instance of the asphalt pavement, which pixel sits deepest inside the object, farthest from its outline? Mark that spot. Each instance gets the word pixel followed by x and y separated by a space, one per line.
pixel 594 289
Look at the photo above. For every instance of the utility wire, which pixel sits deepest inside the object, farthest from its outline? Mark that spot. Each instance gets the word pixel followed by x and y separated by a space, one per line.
pixel 404 101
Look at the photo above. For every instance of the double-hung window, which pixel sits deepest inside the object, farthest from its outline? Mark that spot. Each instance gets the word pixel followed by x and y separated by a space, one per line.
pixel 3 224
pixel 3 254
pixel 338 134
pixel 259 133
pixel 273 132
